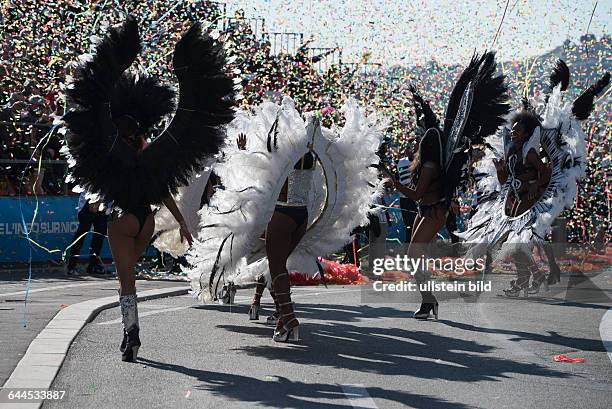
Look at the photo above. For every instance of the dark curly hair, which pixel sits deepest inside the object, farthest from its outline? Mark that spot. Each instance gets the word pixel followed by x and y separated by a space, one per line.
pixel 528 119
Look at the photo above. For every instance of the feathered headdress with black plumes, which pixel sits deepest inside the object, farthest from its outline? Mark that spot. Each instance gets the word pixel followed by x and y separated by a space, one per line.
pixel 559 75
pixel 102 92
pixel 476 109
pixel 583 105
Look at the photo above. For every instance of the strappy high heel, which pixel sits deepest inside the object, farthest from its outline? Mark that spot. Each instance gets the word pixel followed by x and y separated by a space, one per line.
pixel 287 334
pixel 516 289
pixel 287 326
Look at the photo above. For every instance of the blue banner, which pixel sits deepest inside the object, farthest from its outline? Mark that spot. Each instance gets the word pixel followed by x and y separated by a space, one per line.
pixel 54 227
pixel 396 231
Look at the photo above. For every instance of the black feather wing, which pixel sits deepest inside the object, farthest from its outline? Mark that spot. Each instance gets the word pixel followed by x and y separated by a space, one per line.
pixel 583 105
pixel 560 75
pixel 425 116
pixel 484 115
pixel 91 132
pixel 206 101
pixel 454 100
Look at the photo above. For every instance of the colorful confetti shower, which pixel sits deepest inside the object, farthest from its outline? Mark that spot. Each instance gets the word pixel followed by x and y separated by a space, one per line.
pixel 319 52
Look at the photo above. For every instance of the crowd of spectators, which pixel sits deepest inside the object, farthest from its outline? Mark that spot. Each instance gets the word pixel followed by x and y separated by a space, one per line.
pixel 43 37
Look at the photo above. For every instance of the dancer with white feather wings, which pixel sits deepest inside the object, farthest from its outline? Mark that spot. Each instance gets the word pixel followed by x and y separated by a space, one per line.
pixel 532 178
pixel 304 185
pixel 476 108
pixel 115 108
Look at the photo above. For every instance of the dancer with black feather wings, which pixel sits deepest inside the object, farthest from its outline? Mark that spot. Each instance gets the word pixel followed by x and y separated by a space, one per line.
pixel 476 109
pixel 114 109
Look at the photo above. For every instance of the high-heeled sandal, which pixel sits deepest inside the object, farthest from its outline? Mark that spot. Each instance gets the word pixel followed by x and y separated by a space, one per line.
pixel 287 326
pixel 285 335
pixel 517 288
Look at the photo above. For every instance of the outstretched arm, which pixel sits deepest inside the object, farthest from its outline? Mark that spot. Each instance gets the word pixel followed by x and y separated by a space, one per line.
pixel 184 231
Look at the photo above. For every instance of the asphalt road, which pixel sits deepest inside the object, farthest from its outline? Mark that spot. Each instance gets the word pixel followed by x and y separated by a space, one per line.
pixel 20 322
pixel 484 352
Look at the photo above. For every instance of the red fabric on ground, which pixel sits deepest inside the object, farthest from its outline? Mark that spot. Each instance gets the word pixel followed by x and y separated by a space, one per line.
pixel 565 358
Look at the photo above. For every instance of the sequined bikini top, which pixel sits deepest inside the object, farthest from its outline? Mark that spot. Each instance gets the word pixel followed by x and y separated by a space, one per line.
pixel 298 182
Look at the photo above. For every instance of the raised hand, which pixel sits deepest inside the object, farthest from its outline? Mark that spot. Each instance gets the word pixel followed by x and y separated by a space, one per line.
pixel 241 141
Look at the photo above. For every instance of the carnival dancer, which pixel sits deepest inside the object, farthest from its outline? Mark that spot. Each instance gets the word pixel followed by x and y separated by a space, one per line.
pixel 525 194
pixel 114 110
pixel 337 198
pixel 476 108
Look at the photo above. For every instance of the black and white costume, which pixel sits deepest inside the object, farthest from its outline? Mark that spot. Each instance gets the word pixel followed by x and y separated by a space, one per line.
pixel 564 145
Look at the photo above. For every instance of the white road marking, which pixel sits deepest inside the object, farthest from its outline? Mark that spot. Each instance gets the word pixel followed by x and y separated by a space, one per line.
pixel 605 332
pixel 358 396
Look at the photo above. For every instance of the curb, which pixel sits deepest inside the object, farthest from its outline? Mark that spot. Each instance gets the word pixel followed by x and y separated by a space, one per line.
pixel 46 353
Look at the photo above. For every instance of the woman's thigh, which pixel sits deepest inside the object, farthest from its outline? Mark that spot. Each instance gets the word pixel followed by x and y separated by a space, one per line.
pixel 143 239
pixel 424 232
pixel 278 241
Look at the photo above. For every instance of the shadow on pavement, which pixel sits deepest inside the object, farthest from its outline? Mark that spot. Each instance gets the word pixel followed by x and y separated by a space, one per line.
pixel 553 338
pixel 389 351
pixel 283 393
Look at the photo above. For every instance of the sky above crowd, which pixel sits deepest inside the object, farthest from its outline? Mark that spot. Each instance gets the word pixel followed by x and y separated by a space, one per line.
pixel 410 32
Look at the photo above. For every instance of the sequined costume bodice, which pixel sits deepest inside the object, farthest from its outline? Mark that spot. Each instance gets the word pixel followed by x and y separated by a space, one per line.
pixel 298 183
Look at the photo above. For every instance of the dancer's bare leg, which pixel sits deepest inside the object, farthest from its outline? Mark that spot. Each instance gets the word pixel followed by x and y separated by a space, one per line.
pixel 282 232
pixel 122 231
pixel 143 240
pixel 424 231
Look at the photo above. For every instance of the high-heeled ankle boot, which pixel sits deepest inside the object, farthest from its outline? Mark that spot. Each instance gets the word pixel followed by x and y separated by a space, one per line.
pixel 287 326
pixel 129 318
pixel 429 304
pixel 256 304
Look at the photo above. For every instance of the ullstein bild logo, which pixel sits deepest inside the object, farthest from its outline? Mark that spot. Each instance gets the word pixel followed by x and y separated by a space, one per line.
pixel 433 286
pixel 458 266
